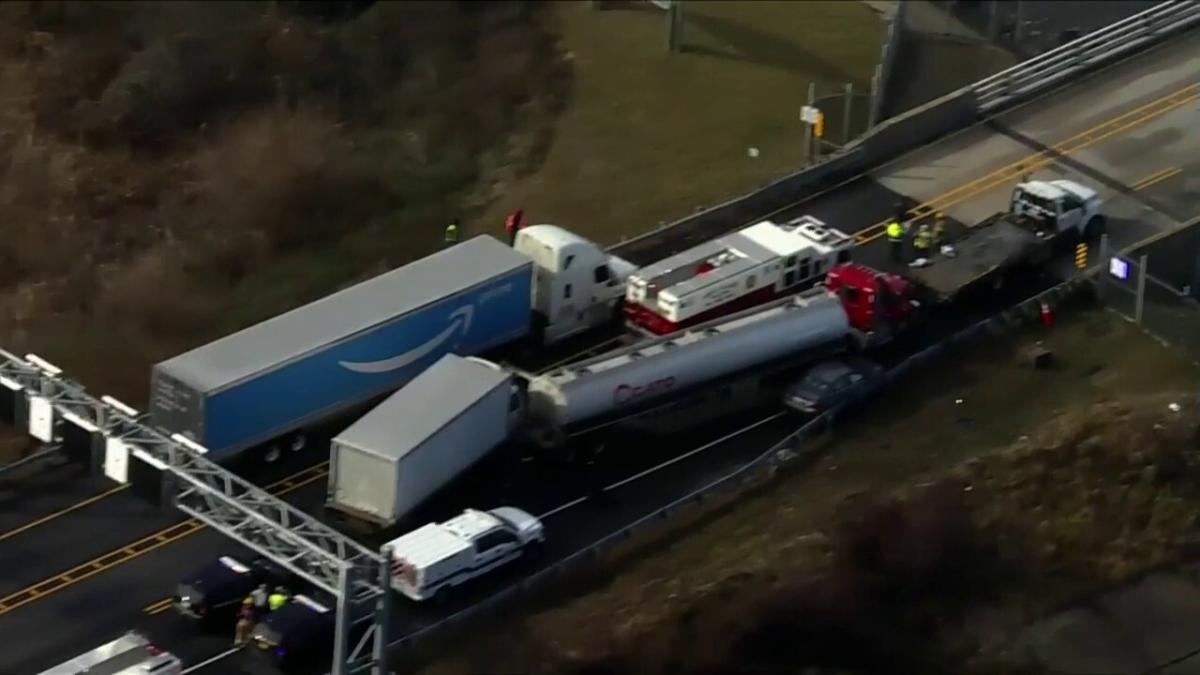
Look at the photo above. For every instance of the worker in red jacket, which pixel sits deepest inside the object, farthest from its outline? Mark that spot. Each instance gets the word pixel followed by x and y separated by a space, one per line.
pixel 512 224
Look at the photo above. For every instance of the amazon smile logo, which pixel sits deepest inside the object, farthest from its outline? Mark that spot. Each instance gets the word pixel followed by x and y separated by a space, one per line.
pixel 459 317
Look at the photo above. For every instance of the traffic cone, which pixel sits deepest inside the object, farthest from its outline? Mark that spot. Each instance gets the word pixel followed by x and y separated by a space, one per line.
pixel 1047 317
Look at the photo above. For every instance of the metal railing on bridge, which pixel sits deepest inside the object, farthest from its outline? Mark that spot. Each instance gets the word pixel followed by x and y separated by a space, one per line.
pixel 1056 66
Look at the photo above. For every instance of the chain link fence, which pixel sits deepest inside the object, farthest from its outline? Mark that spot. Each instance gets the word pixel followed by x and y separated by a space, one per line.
pixel 1157 286
pixel 847 111
pixel 1031 27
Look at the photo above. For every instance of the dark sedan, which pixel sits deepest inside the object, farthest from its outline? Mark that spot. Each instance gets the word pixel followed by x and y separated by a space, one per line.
pixel 833 383
pixel 212 594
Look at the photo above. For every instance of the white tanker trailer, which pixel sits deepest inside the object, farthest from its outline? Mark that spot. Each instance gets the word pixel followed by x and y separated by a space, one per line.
pixel 632 380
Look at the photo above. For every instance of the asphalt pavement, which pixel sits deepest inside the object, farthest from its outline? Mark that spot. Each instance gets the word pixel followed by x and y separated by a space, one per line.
pixel 1133 125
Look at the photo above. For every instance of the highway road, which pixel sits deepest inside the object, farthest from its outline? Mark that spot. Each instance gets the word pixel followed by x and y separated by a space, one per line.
pixel 70 581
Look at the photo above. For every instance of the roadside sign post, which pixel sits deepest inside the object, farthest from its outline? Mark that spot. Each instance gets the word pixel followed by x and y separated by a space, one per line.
pixel 1141 290
pixel 1118 268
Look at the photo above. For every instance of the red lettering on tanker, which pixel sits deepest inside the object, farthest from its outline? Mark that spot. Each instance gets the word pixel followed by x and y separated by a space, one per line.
pixel 626 393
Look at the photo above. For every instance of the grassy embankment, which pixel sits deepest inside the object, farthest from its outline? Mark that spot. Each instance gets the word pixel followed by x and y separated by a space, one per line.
pixel 983 494
pixel 175 171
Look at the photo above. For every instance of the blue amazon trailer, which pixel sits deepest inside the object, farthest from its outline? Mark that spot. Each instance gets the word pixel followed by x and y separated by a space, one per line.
pixel 262 387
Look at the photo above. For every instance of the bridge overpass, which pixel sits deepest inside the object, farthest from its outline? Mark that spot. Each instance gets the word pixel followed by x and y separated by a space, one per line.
pixel 69 581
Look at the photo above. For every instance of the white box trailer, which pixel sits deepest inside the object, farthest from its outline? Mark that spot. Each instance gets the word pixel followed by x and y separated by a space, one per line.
pixel 420 438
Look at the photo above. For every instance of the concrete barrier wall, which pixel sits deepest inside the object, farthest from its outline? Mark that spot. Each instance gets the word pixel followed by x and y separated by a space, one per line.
pixel 717 220
pixel 930 122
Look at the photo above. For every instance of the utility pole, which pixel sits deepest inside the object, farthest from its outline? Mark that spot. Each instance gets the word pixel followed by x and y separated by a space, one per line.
pixel 994 21
pixel 808 124
pixel 1019 28
pixel 846 113
pixel 674 25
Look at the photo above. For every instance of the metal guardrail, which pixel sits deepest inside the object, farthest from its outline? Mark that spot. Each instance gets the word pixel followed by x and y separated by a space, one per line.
pixel 784 451
pixel 1047 70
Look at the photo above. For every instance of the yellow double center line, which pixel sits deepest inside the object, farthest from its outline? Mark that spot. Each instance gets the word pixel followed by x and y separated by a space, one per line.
pixel 74 507
pixel 1156 177
pixel 1011 172
pixel 158 607
pixel 141 547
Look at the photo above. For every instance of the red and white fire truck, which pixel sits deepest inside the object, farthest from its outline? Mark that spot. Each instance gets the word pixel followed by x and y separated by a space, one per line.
pixel 728 274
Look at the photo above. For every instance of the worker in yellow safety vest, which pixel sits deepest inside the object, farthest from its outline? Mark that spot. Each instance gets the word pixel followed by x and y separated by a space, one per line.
pixel 923 241
pixel 452 233
pixel 277 599
pixel 895 237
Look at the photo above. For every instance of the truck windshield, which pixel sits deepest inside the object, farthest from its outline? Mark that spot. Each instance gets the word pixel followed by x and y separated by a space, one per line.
pixel 1037 202
pixel 190 594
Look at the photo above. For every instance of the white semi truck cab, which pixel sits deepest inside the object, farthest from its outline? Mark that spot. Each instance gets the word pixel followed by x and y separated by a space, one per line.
pixel 577 285
pixel 1059 206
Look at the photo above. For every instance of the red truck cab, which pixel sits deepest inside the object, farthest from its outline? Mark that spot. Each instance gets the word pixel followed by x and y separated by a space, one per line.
pixel 874 301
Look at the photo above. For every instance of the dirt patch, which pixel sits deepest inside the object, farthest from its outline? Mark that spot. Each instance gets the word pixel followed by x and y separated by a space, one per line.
pixel 785 541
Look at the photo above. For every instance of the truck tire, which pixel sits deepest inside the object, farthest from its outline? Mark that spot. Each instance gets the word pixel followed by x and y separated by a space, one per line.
pixel 1094 227
pixel 297 442
pixel 535 550
pixel 272 453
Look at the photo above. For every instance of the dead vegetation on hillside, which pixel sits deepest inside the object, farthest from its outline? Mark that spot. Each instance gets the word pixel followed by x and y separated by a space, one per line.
pixel 157 156
pixel 936 578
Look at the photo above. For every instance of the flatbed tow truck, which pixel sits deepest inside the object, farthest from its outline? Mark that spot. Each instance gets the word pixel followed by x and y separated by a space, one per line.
pixel 1041 217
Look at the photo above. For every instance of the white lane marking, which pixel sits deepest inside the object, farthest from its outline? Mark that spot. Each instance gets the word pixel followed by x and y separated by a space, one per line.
pixel 702 448
pixel 213 659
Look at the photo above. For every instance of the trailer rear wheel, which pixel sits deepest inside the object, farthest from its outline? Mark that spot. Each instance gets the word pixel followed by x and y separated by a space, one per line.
pixel 297 442
pixel 272 453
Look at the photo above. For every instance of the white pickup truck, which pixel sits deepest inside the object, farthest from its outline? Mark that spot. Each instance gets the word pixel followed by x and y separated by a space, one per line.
pixel 1061 206
pixel 438 556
